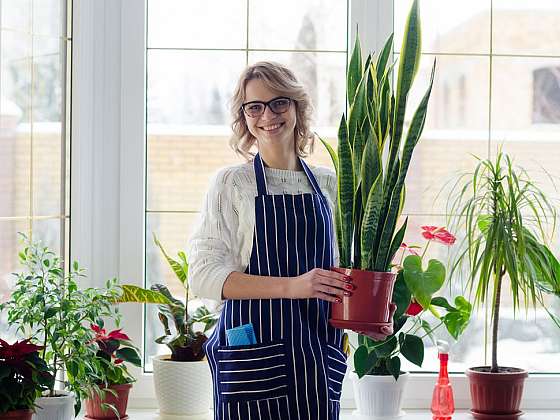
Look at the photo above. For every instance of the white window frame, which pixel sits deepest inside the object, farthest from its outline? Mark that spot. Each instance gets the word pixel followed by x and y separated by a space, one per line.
pixel 108 169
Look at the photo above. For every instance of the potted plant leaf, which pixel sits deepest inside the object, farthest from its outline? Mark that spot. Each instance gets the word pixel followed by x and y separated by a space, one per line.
pixel 378 380
pixel 107 396
pixel 371 165
pixel 503 214
pixel 47 305
pixel 23 376
pixel 185 371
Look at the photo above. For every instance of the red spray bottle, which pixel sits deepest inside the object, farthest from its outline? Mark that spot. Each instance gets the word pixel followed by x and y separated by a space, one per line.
pixel 443 405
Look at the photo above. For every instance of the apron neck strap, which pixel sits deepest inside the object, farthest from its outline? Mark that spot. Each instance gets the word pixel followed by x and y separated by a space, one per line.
pixel 262 188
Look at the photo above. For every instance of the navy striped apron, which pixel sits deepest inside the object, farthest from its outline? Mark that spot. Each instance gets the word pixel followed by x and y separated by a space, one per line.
pixel 295 370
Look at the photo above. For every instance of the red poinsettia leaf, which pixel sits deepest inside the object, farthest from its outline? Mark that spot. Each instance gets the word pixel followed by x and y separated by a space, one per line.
pixel 118 335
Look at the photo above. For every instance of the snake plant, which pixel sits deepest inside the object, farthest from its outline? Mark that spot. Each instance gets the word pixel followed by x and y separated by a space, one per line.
pixel 374 152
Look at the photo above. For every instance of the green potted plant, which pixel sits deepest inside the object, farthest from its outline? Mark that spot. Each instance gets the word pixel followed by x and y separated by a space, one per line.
pixel 371 165
pixel 503 214
pixel 23 376
pixel 107 396
pixel 184 371
pixel 48 306
pixel 378 381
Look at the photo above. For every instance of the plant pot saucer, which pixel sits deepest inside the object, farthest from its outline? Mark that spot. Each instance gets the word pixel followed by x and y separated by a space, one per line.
pixel 95 418
pixel 485 416
pixel 364 327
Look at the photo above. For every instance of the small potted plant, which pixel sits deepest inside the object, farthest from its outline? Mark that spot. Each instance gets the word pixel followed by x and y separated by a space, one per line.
pixel 23 376
pixel 47 305
pixel 107 396
pixel 185 371
pixel 378 381
pixel 503 214
pixel 371 165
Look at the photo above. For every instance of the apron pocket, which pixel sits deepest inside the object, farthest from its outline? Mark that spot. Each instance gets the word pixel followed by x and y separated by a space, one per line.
pixel 336 360
pixel 252 372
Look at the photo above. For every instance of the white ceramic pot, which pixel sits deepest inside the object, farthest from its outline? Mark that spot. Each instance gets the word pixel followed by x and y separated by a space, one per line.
pixel 378 397
pixel 55 408
pixel 183 389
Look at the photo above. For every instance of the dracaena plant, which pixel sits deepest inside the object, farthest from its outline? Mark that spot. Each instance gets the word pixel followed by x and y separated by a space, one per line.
pixel 178 323
pixel 374 152
pixel 23 375
pixel 47 305
pixel 503 214
pixel 414 294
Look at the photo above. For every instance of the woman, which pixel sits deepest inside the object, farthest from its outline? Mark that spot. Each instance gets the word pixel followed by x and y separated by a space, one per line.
pixel 264 245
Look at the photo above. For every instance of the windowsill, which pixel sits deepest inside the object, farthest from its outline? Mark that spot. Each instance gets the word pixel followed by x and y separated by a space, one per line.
pixel 410 415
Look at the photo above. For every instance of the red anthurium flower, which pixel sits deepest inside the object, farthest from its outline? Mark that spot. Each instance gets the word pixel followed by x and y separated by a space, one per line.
pixel 438 234
pixel 414 308
pixel 409 249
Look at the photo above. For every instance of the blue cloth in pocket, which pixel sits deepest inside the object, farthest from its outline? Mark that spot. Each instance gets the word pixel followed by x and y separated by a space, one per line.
pixel 242 335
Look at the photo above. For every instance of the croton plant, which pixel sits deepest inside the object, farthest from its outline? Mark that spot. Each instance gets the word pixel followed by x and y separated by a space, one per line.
pixel 414 294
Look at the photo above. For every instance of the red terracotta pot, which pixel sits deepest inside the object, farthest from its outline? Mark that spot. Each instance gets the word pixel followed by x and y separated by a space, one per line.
pixel 367 309
pixel 497 394
pixel 120 401
pixel 17 415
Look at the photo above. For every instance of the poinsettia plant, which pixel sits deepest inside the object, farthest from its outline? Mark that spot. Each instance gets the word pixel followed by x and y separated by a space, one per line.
pixel 114 348
pixel 414 295
pixel 23 375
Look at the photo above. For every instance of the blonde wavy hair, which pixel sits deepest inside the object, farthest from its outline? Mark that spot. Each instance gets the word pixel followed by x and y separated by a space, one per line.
pixel 283 82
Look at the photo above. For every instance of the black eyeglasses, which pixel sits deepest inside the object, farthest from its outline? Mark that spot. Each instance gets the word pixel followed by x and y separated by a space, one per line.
pixel 277 105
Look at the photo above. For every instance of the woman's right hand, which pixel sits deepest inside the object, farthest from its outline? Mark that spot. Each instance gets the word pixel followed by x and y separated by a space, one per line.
pixel 323 284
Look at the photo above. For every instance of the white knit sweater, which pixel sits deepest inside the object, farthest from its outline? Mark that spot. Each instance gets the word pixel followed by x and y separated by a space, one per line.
pixel 223 238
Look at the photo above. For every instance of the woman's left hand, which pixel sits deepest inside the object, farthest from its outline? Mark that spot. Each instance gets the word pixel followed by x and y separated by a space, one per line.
pixel 384 331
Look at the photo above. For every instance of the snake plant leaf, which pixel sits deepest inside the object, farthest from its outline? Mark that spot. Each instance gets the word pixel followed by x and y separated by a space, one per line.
pixel 423 283
pixel 371 165
pixel 180 269
pixel 397 241
pixel 132 293
pixel 371 221
pixel 354 70
pixel 408 66
pixel 332 153
pixel 345 193
pixel 358 220
pixel 383 59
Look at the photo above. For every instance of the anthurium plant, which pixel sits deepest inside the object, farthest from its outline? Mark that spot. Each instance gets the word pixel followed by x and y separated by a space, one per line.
pixel 414 294
pixel 47 305
pixel 178 323
pixel 23 375
pixel 375 151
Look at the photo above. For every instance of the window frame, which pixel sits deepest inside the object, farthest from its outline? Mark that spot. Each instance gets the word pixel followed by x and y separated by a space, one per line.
pixel 109 170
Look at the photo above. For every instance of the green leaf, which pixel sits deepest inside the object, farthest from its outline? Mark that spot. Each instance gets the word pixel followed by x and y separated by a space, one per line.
pixel 332 153
pixel 423 284
pixel 364 361
pixel 354 70
pixel 345 193
pixel 401 295
pixel 412 348
pixel 393 365
pixel 370 222
pixel 386 347
pixel 132 293
pixel 129 355
pixel 443 303
pixel 180 270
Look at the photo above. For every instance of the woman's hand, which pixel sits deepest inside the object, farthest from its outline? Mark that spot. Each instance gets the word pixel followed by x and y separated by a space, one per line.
pixel 323 284
pixel 384 331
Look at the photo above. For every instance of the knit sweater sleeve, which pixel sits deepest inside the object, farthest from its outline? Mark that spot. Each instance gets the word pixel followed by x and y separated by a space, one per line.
pixel 212 247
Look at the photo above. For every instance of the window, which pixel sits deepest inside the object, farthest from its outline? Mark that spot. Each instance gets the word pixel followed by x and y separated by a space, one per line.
pixel 35 44
pixel 546 95
pixel 490 69
pixel 189 82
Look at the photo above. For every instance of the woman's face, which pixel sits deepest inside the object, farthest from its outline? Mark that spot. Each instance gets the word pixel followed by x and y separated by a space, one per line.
pixel 269 128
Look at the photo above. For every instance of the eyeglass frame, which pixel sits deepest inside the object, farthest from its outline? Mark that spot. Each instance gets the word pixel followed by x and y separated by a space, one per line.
pixel 266 104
